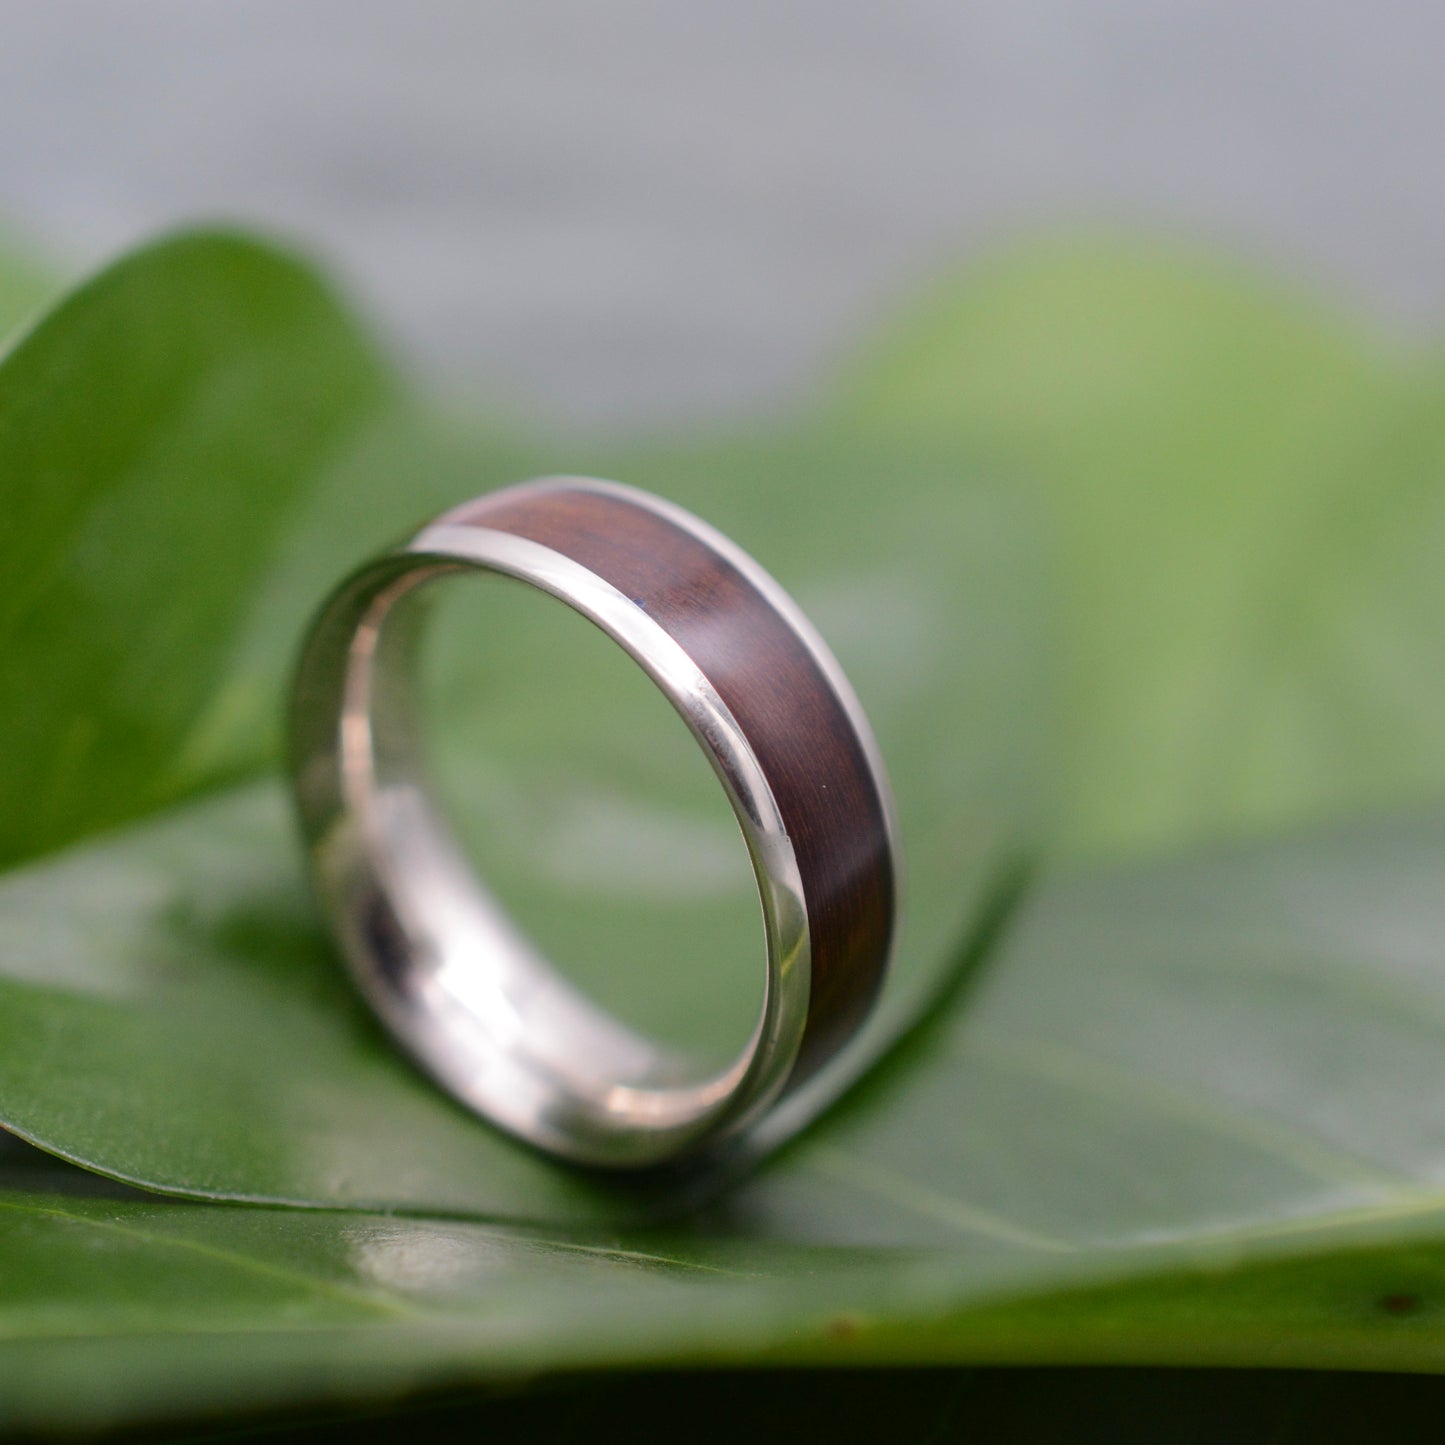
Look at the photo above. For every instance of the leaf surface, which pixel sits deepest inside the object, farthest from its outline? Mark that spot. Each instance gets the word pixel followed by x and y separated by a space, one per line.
pixel 156 430
pixel 1241 1181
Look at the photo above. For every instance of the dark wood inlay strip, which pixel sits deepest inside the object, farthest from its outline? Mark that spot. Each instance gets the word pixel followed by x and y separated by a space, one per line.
pixel 798 727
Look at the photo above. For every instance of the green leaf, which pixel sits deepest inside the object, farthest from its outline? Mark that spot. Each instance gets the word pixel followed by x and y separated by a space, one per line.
pixel 1191 1117
pixel 1245 492
pixel 156 430
pixel 25 286
pixel 1238 1045
pixel 177 1019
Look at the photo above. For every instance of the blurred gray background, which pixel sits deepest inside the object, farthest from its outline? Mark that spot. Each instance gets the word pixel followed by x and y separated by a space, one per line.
pixel 613 213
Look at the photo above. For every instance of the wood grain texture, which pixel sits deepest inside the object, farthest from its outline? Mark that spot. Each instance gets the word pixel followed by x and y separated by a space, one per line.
pixel 799 729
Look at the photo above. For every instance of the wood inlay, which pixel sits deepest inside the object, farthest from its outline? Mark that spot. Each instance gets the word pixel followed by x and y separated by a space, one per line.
pixel 799 729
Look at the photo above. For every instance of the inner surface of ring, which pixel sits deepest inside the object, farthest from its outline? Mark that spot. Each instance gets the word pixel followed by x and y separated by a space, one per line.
pixel 492 1000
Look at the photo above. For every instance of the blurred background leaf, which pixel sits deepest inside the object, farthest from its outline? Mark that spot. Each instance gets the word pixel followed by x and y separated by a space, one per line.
pixel 25 286
pixel 1245 496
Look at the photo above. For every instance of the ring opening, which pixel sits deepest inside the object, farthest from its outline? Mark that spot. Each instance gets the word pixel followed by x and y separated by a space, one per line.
pixel 580 797
pixel 506 738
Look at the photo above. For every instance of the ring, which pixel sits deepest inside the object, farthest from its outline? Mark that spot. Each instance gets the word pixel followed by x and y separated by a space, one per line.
pixel 450 975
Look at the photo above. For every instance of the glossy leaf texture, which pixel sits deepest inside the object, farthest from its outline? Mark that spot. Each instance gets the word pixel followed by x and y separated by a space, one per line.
pixel 187 1027
pixel 156 431
pixel 1246 494
pixel 1150 1140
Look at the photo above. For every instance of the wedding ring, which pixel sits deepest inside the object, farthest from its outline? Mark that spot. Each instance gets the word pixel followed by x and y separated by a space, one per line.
pixel 452 977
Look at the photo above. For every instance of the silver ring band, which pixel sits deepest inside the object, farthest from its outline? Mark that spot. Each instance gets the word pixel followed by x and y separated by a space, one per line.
pixel 447 971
